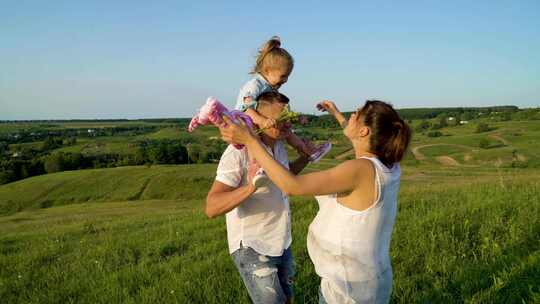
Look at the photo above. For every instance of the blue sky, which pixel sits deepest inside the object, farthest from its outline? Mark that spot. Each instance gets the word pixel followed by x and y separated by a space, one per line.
pixel 135 59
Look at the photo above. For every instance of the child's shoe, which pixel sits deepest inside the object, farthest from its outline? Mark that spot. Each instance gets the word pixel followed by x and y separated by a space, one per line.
pixel 320 152
pixel 260 179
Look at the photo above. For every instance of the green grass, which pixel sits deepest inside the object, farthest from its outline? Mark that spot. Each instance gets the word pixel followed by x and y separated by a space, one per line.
pixel 454 241
pixel 166 133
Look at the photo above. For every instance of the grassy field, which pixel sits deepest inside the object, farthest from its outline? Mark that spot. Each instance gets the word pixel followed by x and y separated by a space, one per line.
pixel 468 227
pixel 81 236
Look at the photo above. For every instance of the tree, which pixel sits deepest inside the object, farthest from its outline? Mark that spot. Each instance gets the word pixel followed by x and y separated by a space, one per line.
pixel 3 147
pixel 194 151
pixel 141 156
pixel 434 134
pixel 467 116
pixel 443 121
pixel 73 161
pixel 51 143
pixel 54 163
pixel 482 127
pixel 6 176
pixel 70 141
pixel 177 154
pixel 424 125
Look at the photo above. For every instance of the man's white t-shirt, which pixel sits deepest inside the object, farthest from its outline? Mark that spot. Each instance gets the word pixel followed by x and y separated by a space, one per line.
pixel 263 220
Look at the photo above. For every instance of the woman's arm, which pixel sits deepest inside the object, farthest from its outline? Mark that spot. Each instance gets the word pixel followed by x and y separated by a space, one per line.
pixel 330 107
pixel 341 178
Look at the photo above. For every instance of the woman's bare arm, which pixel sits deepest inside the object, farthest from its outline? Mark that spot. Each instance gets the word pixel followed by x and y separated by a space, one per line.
pixel 344 177
pixel 330 107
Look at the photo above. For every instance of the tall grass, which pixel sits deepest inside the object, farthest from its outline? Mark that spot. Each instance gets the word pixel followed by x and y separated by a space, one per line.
pixel 469 243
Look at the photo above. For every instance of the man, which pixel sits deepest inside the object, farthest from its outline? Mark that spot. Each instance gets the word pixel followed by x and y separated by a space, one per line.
pixel 258 219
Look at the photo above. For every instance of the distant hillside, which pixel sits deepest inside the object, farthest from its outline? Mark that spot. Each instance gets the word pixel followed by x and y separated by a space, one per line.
pixel 100 185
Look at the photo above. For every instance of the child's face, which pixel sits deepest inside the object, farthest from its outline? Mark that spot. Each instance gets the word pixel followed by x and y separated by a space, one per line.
pixel 276 77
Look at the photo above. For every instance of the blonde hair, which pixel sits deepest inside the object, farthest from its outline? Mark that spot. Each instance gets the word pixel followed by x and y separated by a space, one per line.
pixel 272 56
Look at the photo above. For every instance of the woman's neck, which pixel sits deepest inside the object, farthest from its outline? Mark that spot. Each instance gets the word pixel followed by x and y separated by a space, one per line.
pixel 361 150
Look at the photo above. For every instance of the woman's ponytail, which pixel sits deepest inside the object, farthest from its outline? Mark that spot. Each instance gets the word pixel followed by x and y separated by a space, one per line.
pixel 399 142
pixel 390 135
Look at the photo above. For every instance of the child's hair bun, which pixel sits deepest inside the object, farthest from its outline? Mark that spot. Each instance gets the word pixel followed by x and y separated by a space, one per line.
pixel 272 43
pixel 272 53
pixel 275 41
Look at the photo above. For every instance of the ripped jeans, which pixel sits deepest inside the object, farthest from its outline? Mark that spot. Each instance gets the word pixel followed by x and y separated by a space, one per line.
pixel 268 279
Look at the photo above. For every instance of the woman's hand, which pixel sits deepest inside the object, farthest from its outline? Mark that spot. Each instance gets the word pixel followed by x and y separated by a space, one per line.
pixel 327 106
pixel 235 133
pixel 330 107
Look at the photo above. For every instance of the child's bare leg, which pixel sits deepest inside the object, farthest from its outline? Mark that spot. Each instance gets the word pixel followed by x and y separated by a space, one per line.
pixel 303 146
pixel 306 147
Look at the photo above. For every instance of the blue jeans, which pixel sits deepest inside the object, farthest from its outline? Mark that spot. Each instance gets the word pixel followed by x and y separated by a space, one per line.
pixel 268 279
pixel 321 297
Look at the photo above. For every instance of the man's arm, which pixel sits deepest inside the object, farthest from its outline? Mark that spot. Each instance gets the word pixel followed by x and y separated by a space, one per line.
pixel 222 198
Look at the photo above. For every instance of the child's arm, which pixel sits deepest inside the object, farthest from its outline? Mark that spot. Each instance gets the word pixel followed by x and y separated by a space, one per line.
pixel 330 107
pixel 259 119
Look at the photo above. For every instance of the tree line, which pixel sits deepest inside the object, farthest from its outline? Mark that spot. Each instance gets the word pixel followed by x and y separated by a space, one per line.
pixel 148 152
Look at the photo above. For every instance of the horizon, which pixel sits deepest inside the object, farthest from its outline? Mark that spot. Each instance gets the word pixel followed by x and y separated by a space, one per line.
pixel 104 60
pixel 317 114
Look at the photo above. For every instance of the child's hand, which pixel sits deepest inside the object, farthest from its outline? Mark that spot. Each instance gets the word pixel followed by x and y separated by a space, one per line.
pixel 327 106
pixel 253 168
pixel 269 123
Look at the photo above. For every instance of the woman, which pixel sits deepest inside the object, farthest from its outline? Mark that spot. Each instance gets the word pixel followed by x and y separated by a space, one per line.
pixel 349 239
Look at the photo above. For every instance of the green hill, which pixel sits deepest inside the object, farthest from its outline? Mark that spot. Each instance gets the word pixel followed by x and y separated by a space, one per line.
pixel 101 185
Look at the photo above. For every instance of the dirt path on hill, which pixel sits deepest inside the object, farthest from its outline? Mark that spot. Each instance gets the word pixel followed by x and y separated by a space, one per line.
pixel 419 156
pixel 499 138
pixel 447 161
pixel 443 159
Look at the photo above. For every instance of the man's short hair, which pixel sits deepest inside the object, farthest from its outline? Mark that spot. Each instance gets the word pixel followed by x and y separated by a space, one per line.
pixel 272 97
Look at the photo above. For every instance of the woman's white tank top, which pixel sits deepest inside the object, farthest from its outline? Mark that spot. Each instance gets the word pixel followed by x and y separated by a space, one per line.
pixel 350 248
